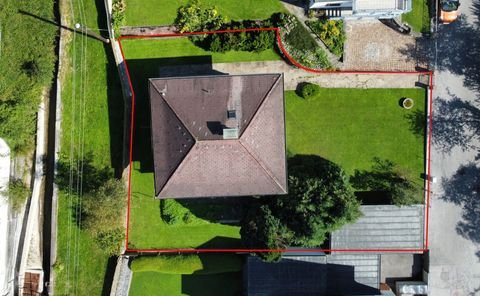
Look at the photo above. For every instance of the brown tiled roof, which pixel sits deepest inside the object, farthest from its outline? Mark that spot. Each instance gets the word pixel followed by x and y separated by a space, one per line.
pixel 191 156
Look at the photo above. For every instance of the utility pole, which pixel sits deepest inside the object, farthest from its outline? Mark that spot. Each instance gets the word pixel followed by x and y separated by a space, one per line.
pixel 88 32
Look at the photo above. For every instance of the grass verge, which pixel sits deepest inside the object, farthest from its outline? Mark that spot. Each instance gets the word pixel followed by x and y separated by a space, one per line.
pixel 164 12
pixel 419 17
pixel 82 268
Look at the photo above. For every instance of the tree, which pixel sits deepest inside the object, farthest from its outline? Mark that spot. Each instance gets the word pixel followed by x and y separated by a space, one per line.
pixel 102 215
pixel 320 200
pixel 386 177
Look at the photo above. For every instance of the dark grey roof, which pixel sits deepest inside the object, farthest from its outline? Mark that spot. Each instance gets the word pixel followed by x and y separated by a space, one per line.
pixel 313 275
pixel 192 158
pixel 383 227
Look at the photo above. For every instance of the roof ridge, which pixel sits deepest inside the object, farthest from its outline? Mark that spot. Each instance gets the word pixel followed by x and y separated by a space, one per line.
pixel 263 166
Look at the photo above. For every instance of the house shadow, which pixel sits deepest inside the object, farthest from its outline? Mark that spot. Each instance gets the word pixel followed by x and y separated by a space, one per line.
pixel 223 210
pixel 141 70
pixel 221 242
pixel 221 284
pixel 463 189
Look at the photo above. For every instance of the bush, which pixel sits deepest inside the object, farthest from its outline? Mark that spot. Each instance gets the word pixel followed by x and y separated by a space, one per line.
pixel 17 194
pixel 118 15
pixel 310 90
pixel 331 32
pixel 195 18
pixel 173 212
pixel 300 45
pixel 189 264
pixel 102 215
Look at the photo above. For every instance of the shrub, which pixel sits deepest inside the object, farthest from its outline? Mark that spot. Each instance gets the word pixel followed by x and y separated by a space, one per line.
pixel 188 264
pixel 195 18
pixel 118 15
pixel 310 90
pixel 171 211
pixel 331 32
pixel 17 194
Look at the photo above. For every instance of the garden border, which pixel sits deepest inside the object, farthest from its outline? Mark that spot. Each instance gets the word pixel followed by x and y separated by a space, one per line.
pixel 291 60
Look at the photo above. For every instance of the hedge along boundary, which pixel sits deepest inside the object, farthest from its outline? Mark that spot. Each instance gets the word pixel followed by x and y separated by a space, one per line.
pixel 295 63
pixel 188 263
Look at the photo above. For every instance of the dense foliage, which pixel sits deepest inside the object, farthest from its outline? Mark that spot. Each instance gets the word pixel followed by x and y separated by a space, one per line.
pixel 27 61
pixel 301 46
pixel 320 200
pixel 188 263
pixel 309 90
pixel 17 193
pixel 118 15
pixel 331 32
pixel 102 215
pixel 194 17
pixel 386 177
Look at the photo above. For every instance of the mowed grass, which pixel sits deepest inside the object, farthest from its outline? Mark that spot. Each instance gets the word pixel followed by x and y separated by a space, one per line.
pixel 82 266
pixel 148 231
pixel 419 17
pixel 352 126
pixel 182 51
pixel 164 12
pixel 159 284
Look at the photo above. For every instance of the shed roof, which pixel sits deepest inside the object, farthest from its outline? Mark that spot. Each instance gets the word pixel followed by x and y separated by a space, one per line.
pixel 383 227
pixel 192 155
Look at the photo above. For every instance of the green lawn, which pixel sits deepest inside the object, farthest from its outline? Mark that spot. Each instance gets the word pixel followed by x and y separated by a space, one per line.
pixel 164 12
pixel 159 284
pixel 352 126
pixel 419 17
pixel 102 147
pixel 147 229
pixel 183 51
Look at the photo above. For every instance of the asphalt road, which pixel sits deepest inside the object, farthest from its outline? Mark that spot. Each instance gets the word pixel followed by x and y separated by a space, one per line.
pixel 455 205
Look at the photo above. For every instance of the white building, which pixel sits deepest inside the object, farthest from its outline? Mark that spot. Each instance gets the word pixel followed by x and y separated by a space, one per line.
pixel 362 9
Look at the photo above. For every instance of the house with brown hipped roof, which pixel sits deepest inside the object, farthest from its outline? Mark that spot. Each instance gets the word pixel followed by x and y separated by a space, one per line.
pixel 218 135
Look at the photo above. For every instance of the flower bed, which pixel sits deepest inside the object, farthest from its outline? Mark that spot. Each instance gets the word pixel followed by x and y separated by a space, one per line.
pixel 331 32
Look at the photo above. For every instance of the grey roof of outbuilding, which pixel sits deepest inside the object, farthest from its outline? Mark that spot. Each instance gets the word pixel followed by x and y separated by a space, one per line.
pixel 383 227
pixel 328 275
pixel 191 156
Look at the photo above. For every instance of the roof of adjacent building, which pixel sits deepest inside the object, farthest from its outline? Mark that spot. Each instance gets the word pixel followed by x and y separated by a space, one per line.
pixel 383 227
pixel 314 275
pixel 218 135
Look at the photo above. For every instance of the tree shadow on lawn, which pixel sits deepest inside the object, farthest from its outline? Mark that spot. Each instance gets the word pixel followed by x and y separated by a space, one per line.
pixel 140 71
pixel 221 242
pixel 463 189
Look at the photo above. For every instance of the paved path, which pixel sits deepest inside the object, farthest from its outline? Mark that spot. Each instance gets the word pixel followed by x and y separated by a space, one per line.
pixel 455 205
pixel 294 76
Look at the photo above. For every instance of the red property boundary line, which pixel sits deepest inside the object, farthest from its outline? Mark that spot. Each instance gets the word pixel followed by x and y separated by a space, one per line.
pixel 292 61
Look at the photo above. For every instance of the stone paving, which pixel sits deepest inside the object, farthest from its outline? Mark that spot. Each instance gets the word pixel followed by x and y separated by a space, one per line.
pixel 372 46
pixel 293 76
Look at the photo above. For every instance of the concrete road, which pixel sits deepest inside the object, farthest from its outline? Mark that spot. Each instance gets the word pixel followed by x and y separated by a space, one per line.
pixel 455 205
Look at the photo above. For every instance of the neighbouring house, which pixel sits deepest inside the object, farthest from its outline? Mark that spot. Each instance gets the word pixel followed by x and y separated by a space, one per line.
pixel 362 9
pixel 313 273
pixel 218 135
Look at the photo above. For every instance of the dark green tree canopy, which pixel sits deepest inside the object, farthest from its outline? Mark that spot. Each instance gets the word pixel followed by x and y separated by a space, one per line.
pixel 320 200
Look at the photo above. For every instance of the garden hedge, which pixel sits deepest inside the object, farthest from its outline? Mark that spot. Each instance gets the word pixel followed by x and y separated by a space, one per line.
pixel 188 264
